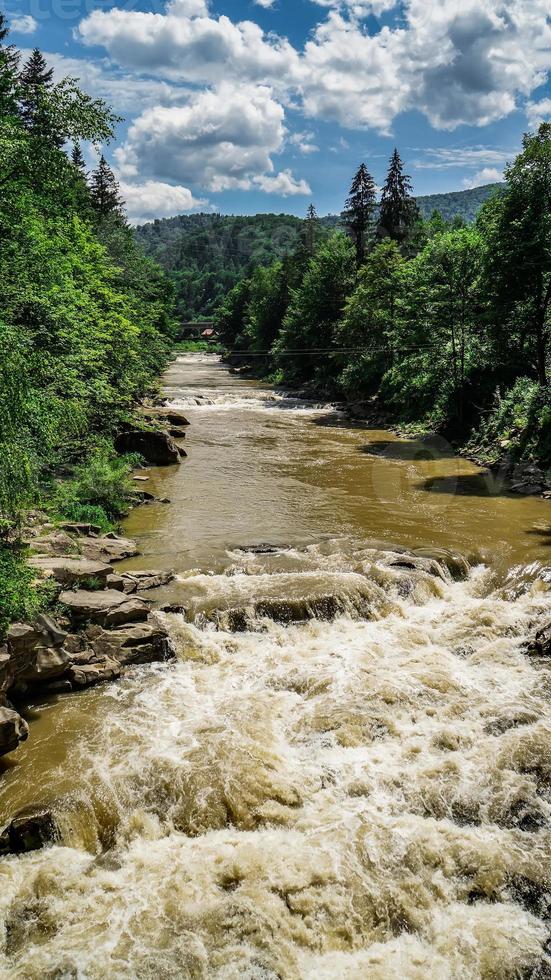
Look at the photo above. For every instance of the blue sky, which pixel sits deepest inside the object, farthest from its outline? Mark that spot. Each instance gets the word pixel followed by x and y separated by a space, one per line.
pixel 243 106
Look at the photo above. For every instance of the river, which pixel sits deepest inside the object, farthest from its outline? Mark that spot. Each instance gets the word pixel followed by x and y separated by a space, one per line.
pixel 347 771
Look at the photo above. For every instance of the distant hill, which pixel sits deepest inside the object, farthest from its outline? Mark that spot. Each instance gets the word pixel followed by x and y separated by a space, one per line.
pixel 206 254
pixel 462 203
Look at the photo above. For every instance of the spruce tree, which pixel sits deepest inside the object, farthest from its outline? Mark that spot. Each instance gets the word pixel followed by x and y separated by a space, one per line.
pixel 311 230
pixel 35 79
pixel 104 191
pixel 399 212
pixel 359 209
pixel 77 158
pixel 9 63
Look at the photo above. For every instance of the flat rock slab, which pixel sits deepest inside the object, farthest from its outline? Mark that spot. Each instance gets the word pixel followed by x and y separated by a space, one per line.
pixel 148 579
pixel 71 571
pixel 108 548
pixel 109 608
pixel 88 675
pixel 55 543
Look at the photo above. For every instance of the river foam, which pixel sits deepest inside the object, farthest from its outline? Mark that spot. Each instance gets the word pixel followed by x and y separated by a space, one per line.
pixel 361 794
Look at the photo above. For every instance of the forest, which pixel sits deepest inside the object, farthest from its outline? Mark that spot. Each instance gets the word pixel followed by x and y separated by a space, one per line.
pixel 205 255
pixel 442 324
pixel 85 317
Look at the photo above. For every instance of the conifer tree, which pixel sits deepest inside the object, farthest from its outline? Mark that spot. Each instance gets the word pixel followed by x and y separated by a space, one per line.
pixel 104 191
pixel 35 79
pixel 9 63
pixel 311 230
pixel 399 212
pixel 77 158
pixel 359 209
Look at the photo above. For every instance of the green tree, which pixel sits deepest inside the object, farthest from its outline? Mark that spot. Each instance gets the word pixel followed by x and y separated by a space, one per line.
pixel 311 230
pixel 310 325
pixel 35 80
pixel 105 192
pixel 368 325
pixel 398 213
pixel 359 209
pixel 517 226
pixel 9 68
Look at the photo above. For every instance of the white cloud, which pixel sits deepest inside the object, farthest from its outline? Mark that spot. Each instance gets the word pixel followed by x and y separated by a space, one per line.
pixel 283 184
pixel 220 139
pixel 538 112
pixel 191 48
pixel 267 4
pixel 442 158
pixel 303 142
pixel 24 24
pixel 155 199
pixel 488 175
pixel 456 64
pixel 125 91
pixel 468 63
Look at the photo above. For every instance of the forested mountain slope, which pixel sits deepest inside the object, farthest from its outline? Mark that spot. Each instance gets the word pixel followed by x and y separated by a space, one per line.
pixel 206 254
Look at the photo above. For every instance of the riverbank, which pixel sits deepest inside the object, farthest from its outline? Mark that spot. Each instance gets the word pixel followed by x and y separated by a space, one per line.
pixel 95 622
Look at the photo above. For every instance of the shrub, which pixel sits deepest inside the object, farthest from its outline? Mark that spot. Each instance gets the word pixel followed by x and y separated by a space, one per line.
pixel 519 424
pixel 20 598
pixel 99 489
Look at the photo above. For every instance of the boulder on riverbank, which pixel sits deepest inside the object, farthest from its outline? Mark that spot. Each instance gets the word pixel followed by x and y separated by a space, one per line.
pixel 156 447
pixel 108 608
pixel 71 571
pixel 13 729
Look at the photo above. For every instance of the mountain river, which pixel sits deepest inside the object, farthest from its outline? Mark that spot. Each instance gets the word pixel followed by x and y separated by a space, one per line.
pixel 345 774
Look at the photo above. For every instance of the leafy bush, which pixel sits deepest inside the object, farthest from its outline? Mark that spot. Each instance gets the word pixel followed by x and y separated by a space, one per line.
pixel 20 598
pixel 519 424
pixel 99 489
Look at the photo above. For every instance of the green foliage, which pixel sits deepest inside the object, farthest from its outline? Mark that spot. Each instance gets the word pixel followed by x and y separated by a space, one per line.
pixel 437 317
pixel 98 490
pixel 206 255
pixel 517 229
pixel 315 309
pixel 84 314
pixel 518 425
pixel 20 597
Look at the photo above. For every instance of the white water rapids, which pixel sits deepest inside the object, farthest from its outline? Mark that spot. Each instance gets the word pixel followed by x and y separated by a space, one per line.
pixel 345 774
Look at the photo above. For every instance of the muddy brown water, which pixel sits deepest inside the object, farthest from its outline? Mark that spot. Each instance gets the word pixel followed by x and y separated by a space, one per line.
pixel 347 770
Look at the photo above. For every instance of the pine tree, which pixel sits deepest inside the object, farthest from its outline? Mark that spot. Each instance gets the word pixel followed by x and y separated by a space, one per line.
pixel 77 158
pixel 35 79
pixel 399 212
pixel 9 64
pixel 359 209
pixel 311 230
pixel 104 191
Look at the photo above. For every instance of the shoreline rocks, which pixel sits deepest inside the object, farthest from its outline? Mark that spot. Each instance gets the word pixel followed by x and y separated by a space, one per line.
pixel 105 624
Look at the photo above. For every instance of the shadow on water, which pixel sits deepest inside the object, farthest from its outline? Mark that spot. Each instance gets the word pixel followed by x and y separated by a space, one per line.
pixel 408 451
pixel 467 485
pixel 542 532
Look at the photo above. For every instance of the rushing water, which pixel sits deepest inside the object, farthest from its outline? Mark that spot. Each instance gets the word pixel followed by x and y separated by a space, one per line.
pixel 347 772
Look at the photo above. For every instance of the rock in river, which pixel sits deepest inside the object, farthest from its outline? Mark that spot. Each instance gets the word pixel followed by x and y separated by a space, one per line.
pixel 156 447
pixel 32 828
pixel 13 729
